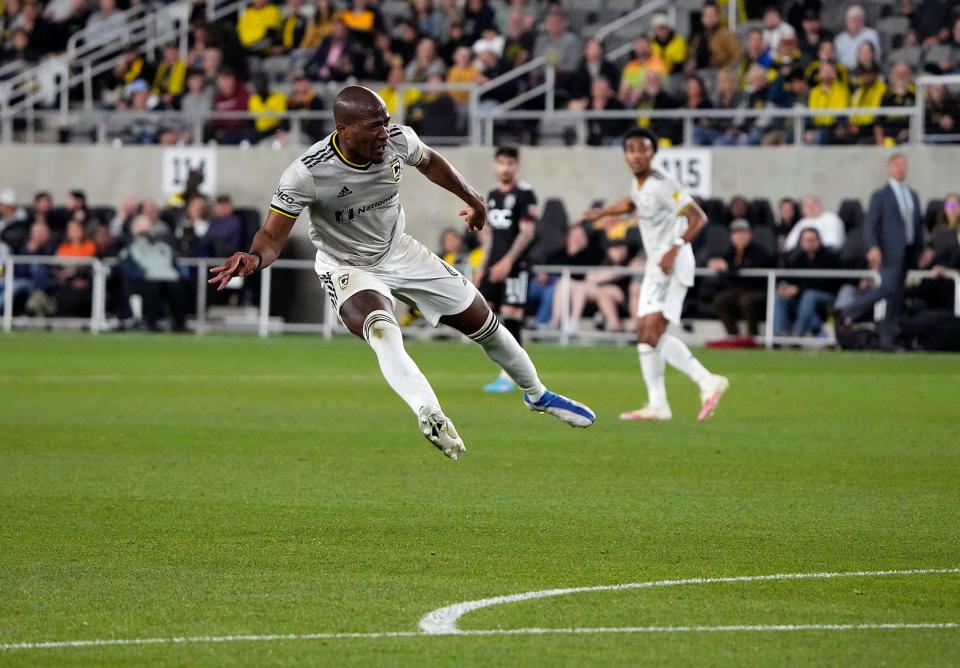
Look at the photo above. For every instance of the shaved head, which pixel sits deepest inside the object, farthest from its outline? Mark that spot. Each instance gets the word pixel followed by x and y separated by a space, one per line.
pixel 356 103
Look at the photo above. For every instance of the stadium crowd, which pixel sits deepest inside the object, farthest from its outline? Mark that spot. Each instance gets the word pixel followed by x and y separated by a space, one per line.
pixel 292 56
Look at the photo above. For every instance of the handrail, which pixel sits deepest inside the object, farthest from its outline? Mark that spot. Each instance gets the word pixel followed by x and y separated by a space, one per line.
pixel 629 18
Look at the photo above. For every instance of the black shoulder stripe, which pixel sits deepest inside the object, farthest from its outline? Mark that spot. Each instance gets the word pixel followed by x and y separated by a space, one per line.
pixel 395 132
pixel 323 157
pixel 658 175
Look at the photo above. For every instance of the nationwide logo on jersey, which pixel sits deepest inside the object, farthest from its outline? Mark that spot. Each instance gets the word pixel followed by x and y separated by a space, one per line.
pixel 397 166
pixel 343 280
pixel 344 191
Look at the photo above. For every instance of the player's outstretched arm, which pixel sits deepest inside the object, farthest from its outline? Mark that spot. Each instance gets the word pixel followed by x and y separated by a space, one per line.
pixel 618 208
pixel 436 168
pixel 266 247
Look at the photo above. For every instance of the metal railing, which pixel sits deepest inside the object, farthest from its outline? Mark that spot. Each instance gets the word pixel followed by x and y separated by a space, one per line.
pixel 329 324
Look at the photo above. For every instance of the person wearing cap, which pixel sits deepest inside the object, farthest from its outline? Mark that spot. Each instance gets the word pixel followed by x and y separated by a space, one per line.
pixel 740 297
pixel 667 44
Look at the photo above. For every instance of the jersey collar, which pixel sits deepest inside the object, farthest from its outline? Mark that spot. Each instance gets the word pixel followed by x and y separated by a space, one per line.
pixel 343 158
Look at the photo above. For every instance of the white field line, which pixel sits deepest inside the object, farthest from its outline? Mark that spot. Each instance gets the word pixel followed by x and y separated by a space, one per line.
pixel 479 632
pixel 444 620
pixel 444 624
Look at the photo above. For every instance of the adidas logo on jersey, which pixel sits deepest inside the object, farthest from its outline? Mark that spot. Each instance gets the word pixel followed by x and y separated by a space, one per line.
pixel 344 191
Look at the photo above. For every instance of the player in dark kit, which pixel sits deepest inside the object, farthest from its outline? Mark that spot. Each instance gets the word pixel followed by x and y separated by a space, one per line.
pixel 503 275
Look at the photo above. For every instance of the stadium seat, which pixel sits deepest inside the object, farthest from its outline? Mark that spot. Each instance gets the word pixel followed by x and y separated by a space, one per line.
pixel 851 213
pixel 103 213
pixel 716 210
pixel 716 241
pixel 251 223
pixel 852 255
pixel 761 213
pixel 943 241
pixel 766 238
pixel 934 207
pixel 551 230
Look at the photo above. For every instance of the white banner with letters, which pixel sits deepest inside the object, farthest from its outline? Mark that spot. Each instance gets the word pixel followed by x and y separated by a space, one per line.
pixel 692 167
pixel 177 162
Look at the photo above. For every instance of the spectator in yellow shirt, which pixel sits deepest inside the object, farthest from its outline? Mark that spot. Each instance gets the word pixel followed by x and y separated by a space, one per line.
pixel 266 107
pixel 634 74
pixel 391 92
pixel 363 20
pixel 830 93
pixel 171 75
pixel 868 95
pixel 668 45
pixel 463 71
pixel 255 25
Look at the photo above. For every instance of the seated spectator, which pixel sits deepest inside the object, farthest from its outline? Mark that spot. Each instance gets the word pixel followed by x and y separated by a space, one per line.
pixel 520 40
pixel 602 131
pixel 462 71
pixel 739 207
pixel 158 227
pixel 477 17
pixel 429 21
pixel 900 93
pixel 786 57
pixel 19 49
pixel 362 20
pixel 829 227
pixel 143 128
pixel 45 38
pixel 755 55
pixel 828 94
pixel 126 212
pixel 255 25
pixel 199 43
pixel 798 300
pixel 654 98
pixel 941 111
pixel 195 107
pixel 561 48
pixel 334 58
pixel 704 131
pixel 755 129
pixel 303 97
pixel 72 283
pixel 45 212
pixel 267 106
pixel 712 47
pixel 391 92
pixel 453 250
pixel 149 267
pixel 435 113
pixel 128 67
pixel 425 62
pixel 107 24
pixel 405 43
pixel 290 33
pixel 634 75
pixel 785 220
pixel 225 234
pixel 584 248
pixel 826 54
pixel 191 233
pixel 28 278
pixel 668 45
pixel 740 297
pixel 231 96
pixel 868 95
pixel 866 59
pixel 593 66
pixel 606 289
pixel 170 76
pixel 855 34
pixel 321 25
pixel 212 64
pixel 726 131
pixel 374 64
pixel 775 29
pixel 456 40
pixel 14 220
pixel 491 67
pixel 812 34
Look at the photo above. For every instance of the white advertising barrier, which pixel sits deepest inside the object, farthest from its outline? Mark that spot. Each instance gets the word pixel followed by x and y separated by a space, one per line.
pixel 177 163
pixel 691 167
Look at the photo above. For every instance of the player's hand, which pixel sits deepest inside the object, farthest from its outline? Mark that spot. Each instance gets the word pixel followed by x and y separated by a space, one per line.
pixel 592 214
pixel 238 264
pixel 874 258
pixel 666 262
pixel 500 270
pixel 475 216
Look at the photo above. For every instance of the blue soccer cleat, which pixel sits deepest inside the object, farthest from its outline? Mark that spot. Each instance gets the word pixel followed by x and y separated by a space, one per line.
pixel 572 412
pixel 499 386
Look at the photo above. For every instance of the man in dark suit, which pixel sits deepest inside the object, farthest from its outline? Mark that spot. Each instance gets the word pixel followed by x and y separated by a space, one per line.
pixel 893 233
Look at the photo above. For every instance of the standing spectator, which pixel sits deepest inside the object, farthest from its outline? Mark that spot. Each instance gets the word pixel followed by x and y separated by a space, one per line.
pixel 462 71
pixel 303 97
pixel 828 94
pixel 775 28
pixel 267 106
pixel 900 93
pixel 231 96
pixel 829 227
pixel 560 47
pixel 740 297
pixel 256 24
pixel 170 76
pixel 893 233
pixel 363 20
pixel 634 75
pixel 856 33
pixel 868 95
pixel 713 46
pixel 812 34
pixel 225 235
pixel 593 66
pixel 425 62
pixel 149 267
pixel 667 44
pixel 799 300
pixel 333 59
pixel 654 98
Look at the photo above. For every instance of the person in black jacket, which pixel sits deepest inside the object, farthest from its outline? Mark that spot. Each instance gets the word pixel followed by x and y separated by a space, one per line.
pixel 799 300
pixel 593 66
pixel 740 297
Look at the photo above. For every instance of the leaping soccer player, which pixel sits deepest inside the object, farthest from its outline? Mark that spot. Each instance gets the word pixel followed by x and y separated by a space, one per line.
pixel 350 182
pixel 669 220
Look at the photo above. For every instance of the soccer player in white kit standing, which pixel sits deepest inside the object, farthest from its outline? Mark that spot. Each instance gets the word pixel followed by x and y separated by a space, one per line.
pixel 350 183
pixel 669 220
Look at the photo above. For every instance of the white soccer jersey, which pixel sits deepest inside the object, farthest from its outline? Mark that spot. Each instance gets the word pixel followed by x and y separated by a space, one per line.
pixel 355 212
pixel 660 203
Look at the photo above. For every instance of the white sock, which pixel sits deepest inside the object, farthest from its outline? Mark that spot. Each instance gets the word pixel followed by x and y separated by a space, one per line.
pixel 677 355
pixel 503 349
pixel 652 368
pixel 382 332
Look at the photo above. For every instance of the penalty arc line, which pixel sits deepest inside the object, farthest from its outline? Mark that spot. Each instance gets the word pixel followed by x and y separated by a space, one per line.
pixel 480 632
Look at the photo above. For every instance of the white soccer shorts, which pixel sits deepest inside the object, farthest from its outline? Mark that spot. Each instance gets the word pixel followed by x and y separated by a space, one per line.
pixel 662 293
pixel 411 272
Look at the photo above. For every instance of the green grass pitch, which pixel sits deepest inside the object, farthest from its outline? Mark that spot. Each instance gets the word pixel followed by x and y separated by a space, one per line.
pixel 161 487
